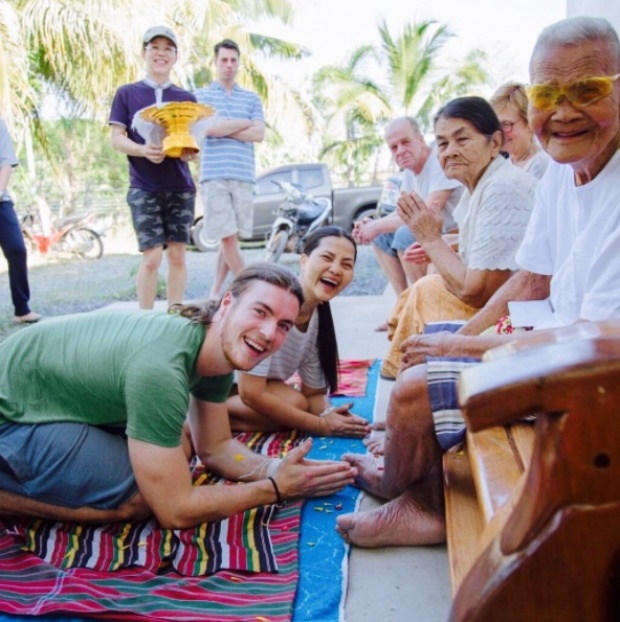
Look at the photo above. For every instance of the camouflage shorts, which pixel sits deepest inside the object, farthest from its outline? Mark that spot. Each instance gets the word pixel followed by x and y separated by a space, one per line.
pixel 228 207
pixel 161 217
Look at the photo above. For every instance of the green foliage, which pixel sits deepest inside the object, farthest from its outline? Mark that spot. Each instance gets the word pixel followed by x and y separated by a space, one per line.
pixel 79 158
pixel 75 53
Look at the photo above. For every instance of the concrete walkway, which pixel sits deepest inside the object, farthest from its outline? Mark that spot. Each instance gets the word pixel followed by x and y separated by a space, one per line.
pixel 397 583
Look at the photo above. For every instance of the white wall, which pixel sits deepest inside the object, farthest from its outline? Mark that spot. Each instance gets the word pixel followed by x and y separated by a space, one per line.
pixel 609 9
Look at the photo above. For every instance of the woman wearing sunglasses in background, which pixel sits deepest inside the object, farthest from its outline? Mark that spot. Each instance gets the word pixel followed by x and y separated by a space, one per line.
pixel 265 402
pixel 510 104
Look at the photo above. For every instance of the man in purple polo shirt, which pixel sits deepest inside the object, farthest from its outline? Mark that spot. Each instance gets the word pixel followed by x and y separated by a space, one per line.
pixel 162 192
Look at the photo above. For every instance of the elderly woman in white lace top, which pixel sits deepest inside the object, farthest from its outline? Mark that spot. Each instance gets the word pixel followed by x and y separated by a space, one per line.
pixel 492 216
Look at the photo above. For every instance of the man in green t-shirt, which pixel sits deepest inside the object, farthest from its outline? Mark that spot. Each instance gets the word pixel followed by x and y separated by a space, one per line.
pixel 99 412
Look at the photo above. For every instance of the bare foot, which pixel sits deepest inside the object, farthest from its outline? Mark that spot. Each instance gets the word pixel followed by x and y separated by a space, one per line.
pixel 375 443
pixel 381 328
pixel 369 472
pixel 400 522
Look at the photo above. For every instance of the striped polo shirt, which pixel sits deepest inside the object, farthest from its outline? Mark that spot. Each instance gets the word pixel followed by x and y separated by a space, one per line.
pixel 228 158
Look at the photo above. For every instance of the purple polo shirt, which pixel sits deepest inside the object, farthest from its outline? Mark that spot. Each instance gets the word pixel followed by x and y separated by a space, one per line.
pixel 172 175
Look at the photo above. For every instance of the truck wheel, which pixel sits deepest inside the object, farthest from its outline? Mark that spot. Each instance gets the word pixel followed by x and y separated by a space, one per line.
pixel 276 245
pixel 199 239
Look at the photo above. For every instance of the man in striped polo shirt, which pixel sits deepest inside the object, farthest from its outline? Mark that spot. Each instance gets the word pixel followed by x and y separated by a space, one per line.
pixel 227 166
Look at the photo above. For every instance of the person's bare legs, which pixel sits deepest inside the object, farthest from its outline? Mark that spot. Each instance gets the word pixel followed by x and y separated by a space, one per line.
pixel 413 271
pixel 391 267
pixel 221 271
pixel 232 259
pixel 411 475
pixel 16 505
pixel 177 273
pixel 146 278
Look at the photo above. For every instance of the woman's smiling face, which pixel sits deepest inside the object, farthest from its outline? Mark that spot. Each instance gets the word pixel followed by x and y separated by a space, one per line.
pixel 328 269
pixel 464 153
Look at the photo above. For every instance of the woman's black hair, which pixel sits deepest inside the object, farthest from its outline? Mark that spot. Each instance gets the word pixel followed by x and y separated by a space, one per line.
pixel 265 271
pixel 476 110
pixel 326 338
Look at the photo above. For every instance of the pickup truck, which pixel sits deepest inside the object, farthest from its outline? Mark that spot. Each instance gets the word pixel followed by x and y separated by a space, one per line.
pixel 349 204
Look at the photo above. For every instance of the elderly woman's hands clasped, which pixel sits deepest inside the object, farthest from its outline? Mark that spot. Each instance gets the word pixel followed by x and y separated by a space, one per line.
pixel 425 222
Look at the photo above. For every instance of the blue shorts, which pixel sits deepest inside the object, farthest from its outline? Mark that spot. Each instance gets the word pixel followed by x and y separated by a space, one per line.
pixel 391 243
pixel 66 464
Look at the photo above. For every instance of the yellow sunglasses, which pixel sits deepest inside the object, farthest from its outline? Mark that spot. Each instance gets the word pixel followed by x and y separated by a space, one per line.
pixel 580 93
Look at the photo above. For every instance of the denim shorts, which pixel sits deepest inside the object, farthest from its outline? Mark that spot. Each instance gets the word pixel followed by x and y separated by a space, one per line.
pixel 161 217
pixel 391 243
pixel 66 464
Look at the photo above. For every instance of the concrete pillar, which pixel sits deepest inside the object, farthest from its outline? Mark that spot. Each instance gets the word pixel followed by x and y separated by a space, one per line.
pixel 609 9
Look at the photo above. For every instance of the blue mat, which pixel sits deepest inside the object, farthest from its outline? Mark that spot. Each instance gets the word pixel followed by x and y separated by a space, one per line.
pixel 323 554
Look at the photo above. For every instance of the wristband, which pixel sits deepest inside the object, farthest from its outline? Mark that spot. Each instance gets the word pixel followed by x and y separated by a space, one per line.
pixel 275 487
pixel 329 409
pixel 274 465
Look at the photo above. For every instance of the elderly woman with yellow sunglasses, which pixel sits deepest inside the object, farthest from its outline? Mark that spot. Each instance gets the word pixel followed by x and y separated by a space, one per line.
pixel 510 104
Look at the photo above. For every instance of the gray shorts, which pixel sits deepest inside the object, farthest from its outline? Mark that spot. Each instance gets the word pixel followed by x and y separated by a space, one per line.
pixel 228 207
pixel 391 243
pixel 161 217
pixel 66 464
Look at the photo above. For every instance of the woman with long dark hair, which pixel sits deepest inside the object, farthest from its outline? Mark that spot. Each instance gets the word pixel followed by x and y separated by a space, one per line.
pixel 264 401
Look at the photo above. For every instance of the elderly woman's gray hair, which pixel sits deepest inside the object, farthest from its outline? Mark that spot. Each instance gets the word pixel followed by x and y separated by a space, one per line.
pixel 575 31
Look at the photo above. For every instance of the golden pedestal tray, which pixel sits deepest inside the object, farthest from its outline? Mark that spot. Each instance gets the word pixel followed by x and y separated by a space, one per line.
pixel 177 119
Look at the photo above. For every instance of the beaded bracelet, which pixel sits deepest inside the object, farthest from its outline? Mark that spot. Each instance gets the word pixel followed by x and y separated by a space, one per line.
pixel 275 487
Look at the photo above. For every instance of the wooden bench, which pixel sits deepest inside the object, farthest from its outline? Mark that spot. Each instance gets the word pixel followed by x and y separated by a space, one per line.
pixel 533 509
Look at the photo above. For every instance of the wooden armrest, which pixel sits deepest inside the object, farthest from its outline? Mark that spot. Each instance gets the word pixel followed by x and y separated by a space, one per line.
pixel 538 338
pixel 546 379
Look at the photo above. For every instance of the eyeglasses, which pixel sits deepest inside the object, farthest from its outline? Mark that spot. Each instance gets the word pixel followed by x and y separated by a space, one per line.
pixel 508 125
pixel 580 93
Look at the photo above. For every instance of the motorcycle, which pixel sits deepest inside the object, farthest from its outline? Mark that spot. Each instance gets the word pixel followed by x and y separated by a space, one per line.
pixel 297 216
pixel 74 235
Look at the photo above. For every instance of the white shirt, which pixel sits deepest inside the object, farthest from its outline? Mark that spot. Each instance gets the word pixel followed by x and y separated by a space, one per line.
pixel 493 218
pixel 299 353
pixel 574 235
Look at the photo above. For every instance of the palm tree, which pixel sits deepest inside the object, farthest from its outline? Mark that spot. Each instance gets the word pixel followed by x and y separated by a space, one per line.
pixel 75 53
pixel 346 98
pixel 412 82
pixel 417 78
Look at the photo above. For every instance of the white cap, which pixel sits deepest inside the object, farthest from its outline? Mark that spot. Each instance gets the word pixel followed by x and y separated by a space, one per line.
pixel 159 31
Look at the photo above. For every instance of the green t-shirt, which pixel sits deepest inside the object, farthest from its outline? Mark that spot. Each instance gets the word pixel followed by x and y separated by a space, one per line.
pixel 132 368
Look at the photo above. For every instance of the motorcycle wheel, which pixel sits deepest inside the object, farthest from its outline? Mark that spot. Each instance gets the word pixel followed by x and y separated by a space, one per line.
pixel 276 245
pixel 200 241
pixel 85 243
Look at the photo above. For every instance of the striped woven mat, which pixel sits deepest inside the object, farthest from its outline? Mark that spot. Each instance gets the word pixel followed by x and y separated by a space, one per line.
pixel 162 588
pixel 30 585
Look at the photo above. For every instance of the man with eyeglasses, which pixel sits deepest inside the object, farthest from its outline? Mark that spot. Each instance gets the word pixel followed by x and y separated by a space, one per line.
pixel 569 256
pixel 162 192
